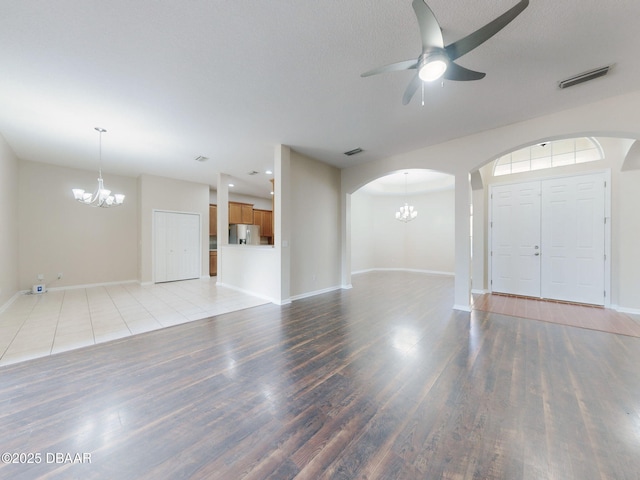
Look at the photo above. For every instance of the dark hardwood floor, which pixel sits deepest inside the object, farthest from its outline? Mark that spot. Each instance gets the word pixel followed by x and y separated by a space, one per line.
pixel 383 381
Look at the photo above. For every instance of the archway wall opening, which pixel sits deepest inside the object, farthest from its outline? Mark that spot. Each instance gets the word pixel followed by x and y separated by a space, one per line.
pixel 383 242
pixel 615 117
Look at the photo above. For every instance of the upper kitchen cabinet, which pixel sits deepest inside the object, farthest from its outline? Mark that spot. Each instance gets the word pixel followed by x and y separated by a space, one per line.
pixel 213 220
pixel 240 213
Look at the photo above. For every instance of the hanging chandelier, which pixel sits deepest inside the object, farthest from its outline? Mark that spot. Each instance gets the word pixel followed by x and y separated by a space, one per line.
pixel 406 213
pixel 101 197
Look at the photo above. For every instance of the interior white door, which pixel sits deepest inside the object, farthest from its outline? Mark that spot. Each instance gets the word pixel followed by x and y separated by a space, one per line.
pixel 176 246
pixel 188 229
pixel 515 239
pixel 573 239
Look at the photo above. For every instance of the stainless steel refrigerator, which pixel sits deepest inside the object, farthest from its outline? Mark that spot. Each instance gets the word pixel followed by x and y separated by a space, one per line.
pixel 244 234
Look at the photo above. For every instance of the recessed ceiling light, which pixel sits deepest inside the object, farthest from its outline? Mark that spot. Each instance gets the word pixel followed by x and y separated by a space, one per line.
pixel 272 193
pixel 231 185
pixel 269 172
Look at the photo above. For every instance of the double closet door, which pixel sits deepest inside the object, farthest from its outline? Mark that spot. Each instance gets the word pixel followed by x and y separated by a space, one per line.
pixel 176 246
pixel 548 239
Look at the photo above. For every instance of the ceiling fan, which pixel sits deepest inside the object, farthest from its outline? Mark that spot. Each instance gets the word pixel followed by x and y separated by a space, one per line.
pixel 436 60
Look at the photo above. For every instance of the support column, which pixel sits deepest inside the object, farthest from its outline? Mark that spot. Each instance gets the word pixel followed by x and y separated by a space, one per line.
pixel 345 206
pixel 462 286
pixel 222 196
pixel 282 216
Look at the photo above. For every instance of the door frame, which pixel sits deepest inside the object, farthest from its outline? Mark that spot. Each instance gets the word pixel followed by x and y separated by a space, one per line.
pixel 153 239
pixel 606 173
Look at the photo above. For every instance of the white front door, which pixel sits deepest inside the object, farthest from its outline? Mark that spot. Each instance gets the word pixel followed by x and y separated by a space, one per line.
pixel 573 239
pixel 548 239
pixel 516 239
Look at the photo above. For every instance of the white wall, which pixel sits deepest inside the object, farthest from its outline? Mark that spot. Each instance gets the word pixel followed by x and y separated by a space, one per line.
pixel 381 241
pixel 628 242
pixel 250 269
pixel 315 226
pixel 363 236
pixel 8 222
pixel 59 235
pixel 161 193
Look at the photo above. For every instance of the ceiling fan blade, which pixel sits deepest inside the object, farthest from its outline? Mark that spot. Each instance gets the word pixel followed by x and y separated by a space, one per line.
pixel 471 41
pixel 429 28
pixel 461 74
pixel 411 89
pixel 394 67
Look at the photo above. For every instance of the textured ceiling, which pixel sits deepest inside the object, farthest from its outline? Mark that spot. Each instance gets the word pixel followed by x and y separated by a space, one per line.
pixel 229 80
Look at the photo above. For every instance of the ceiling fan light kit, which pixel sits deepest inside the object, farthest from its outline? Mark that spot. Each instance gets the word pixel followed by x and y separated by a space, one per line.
pixel 437 61
pixel 432 66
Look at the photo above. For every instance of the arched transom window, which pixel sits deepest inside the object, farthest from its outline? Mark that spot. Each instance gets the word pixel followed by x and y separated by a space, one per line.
pixel 550 154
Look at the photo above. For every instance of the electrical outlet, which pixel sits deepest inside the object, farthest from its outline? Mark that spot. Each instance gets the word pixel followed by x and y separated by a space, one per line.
pixel 41 276
pixel 59 275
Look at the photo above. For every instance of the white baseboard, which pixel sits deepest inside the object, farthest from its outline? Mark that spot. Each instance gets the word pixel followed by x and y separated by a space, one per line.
pixel 358 272
pixel 413 270
pixel 463 308
pixel 479 291
pixel 12 299
pixel 632 311
pixel 91 285
pixel 314 293
pixel 249 292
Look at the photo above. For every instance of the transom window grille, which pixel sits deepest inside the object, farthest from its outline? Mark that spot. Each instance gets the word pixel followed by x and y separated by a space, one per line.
pixel 551 154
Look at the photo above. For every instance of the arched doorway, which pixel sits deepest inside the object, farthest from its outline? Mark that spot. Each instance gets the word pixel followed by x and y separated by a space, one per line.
pixel 381 242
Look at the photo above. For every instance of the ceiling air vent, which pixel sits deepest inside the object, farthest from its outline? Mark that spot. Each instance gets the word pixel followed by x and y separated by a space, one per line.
pixel 353 152
pixel 584 77
pixel 200 158
pixel 252 172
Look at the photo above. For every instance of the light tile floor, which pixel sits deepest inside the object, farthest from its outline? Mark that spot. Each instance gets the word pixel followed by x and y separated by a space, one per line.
pixel 39 325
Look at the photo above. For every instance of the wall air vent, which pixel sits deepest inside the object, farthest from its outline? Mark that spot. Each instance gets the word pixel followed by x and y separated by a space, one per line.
pixel 584 77
pixel 200 158
pixel 353 152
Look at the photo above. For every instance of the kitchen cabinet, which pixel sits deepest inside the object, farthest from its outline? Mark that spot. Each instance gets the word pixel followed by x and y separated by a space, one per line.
pixel 213 220
pixel 213 263
pixel 267 222
pixel 264 218
pixel 240 213
pixel 257 219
